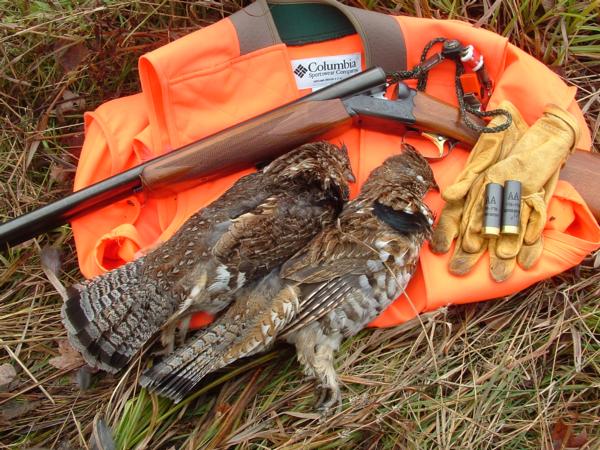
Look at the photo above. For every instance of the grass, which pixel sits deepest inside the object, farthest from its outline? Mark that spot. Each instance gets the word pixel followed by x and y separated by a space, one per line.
pixel 520 372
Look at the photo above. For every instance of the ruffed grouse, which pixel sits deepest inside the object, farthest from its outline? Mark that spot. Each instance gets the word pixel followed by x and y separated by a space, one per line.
pixel 262 220
pixel 330 290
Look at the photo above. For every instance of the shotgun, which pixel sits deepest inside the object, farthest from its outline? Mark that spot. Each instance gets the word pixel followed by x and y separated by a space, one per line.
pixel 357 99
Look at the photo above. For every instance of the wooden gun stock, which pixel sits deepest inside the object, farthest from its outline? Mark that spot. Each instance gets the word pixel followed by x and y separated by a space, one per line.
pixel 442 118
pixel 582 170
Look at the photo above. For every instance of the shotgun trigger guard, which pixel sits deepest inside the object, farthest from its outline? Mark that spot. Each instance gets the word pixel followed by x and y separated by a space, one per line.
pixel 440 142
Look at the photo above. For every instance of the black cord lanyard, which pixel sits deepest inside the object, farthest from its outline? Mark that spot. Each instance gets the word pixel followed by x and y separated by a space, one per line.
pixel 453 50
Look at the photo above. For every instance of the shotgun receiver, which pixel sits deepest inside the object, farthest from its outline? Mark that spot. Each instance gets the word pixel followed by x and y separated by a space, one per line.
pixel 265 137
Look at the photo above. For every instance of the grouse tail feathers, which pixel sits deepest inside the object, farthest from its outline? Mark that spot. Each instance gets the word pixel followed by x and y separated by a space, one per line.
pixel 112 316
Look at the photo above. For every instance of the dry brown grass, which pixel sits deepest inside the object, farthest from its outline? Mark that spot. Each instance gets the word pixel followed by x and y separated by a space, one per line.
pixel 520 372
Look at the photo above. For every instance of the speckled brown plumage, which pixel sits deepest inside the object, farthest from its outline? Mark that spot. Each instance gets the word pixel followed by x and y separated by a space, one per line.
pixel 330 290
pixel 256 225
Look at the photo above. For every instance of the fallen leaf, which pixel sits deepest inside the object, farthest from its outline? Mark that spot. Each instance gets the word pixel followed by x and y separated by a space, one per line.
pixel 60 174
pixel 69 357
pixel 69 55
pixel 559 431
pixel 16 408
pixel 578 441
pixel 7 373
pixel 563 437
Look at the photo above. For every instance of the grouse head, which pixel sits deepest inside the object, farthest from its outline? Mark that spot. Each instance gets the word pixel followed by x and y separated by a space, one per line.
pixel 396 189
pixel 407 174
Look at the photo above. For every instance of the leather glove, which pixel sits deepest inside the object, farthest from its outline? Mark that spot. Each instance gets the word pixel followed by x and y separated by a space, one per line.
pixel 534 158
pixel 489 149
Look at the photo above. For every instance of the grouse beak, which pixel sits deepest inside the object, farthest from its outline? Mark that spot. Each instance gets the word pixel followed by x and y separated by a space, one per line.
pixel 350 178
pixel 435 186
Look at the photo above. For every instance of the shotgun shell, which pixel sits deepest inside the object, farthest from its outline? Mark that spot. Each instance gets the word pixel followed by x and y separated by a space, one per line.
pixel 511 207
pixel 493 208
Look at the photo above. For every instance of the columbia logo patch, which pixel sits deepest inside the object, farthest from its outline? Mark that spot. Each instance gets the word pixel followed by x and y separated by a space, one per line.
pixel 321 71
pixel 300 70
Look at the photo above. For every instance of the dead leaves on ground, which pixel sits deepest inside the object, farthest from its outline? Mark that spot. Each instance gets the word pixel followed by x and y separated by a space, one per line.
pixel 564 437
pixel 69 55
pixel 69 357
pixel 16 408
pixel 7 374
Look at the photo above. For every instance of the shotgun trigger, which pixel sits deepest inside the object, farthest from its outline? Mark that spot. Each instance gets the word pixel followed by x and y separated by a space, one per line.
pixel 440 141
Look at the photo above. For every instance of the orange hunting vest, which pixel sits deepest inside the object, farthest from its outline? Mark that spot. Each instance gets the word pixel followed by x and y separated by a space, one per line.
pixel 249 63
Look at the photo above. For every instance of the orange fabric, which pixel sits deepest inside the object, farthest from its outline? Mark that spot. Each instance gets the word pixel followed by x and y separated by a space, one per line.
pixel 199 85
